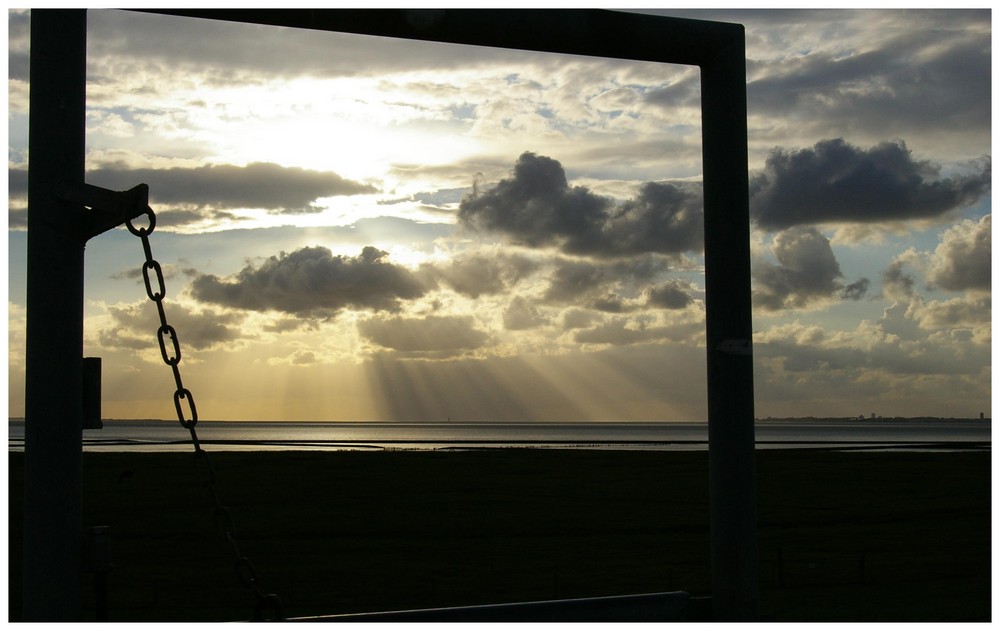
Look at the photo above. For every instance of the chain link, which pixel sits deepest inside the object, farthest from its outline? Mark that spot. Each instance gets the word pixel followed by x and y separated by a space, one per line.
pixel 171 354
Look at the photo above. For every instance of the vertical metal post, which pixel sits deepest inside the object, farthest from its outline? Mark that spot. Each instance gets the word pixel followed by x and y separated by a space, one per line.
pixel 729 331
pixel 54 335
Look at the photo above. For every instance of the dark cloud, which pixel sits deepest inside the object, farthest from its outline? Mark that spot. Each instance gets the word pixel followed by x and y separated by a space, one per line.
pixel 856 290
pixel 664 218
pixel 963 259
pixel 895 281
pixel 288 325
pixel 17 218
pixel 434 335
pixel 611 303
pixel 670 295
pixel 312 281
pixel 837 182
pixel 265 185
pixel 807 271
pixel 537 207
pixel 573 280
pixel 17 183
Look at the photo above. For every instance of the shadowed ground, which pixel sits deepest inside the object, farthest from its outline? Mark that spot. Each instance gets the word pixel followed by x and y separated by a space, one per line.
pixel 843 535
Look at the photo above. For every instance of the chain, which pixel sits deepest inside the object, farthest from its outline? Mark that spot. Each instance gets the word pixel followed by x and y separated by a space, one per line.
pixel 171 353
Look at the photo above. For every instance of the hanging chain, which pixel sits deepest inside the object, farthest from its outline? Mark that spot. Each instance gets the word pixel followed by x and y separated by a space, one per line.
pixel 171 353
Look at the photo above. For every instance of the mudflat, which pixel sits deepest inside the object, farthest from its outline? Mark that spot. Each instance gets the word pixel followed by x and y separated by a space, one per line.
pixel 843 535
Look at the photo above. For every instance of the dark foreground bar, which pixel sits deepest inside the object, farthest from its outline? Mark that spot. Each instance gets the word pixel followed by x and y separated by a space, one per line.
pixel 662 607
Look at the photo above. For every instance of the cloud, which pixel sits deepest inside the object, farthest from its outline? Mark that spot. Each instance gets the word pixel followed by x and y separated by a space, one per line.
pixel 970 313
pixel 611 287
pixel 574 280
pixel 17 183
pixel 521 315
pixel 673 294
pixel 664 218
pixel 134 327
pixel 576 318
pixel 313 282
pixel 807 272
pixel 622 331
pixel 276 188
pixel 479 274
pixel 836 182
pixel 433 336
pixel 906 74
pixel 896 282
pixel 233 51
pixel 962 259
pixel 18 37
pixel 536 207
pixel 857 358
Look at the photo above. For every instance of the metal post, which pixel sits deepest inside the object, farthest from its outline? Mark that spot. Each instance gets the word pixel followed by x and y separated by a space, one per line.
pixel 54 335
pixel 728 329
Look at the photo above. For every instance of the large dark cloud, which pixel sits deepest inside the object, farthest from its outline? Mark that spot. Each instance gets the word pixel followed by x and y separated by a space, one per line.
pixel 836 182
pixel 265 185
pixel 537 207
pixel 664 218
pixel 312 281
pixel 807 271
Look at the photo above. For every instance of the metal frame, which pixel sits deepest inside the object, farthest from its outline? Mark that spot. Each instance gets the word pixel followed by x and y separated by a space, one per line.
pixel 55 257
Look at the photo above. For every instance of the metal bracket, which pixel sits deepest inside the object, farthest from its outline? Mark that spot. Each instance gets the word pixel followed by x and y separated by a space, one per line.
pixel 105 209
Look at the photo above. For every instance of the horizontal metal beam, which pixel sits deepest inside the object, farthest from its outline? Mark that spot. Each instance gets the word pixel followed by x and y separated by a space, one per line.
pixel 591 32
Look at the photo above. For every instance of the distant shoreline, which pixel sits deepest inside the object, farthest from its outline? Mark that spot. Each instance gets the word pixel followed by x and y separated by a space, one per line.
pixel 768 419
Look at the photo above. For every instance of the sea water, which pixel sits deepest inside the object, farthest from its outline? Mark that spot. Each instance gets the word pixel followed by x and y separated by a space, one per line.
pixel 154 435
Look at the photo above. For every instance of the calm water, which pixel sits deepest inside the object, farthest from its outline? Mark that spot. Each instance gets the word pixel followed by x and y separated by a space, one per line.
pixel 255 436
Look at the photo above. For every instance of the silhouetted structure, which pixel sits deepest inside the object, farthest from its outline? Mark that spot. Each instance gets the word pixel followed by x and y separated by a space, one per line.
pixel 55 258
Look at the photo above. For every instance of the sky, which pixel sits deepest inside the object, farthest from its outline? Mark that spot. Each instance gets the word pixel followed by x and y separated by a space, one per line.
pixel 356 228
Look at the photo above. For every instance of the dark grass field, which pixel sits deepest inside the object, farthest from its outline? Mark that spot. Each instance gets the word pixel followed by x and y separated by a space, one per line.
pixel 843 536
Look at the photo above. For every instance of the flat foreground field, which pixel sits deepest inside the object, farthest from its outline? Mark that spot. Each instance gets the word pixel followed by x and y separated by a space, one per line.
pixel 843 536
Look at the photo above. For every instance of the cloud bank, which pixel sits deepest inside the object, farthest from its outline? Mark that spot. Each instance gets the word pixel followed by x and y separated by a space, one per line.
pixel 313 282
pixel 835 182
pixel 276 188
pixel 536 207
